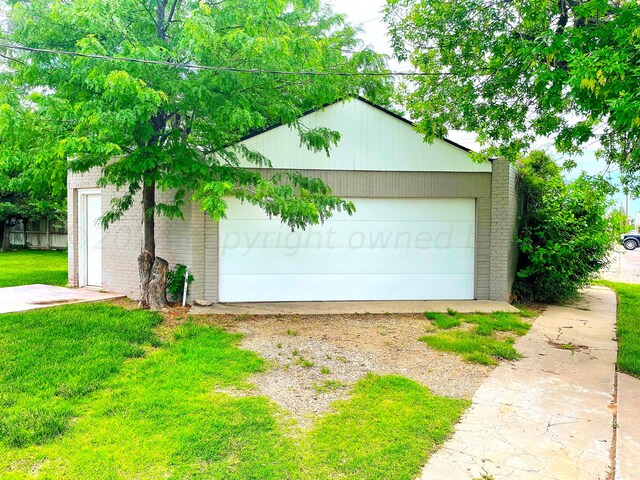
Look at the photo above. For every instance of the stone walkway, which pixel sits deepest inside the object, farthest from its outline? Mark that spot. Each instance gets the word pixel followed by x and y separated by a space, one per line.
pixel 29 297
pixel 550 415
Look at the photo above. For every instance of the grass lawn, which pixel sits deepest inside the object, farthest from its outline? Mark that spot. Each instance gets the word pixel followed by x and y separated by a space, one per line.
pixel 24 267
pixel 89 391
pixel 478 337
pixel 628 326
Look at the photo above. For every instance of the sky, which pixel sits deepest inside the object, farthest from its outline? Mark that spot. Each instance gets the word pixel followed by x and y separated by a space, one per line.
pixel 368 14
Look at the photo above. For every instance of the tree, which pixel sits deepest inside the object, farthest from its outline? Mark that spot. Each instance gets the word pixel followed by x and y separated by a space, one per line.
pixel 513 71
pixel 167 128
pixel 565 233
pixel 620 222
pixel 32 177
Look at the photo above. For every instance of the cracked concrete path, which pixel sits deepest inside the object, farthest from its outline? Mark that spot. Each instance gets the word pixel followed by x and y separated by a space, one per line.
pixel 549 415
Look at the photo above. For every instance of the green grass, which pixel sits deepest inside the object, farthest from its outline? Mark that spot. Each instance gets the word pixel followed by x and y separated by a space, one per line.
pixel 381 431
pixel 328 386
pixel 303 362
pixel 443 320
pixel 628 326
pixel 25 267
pixel 487 324
pixel 478 344
pixel 152 413
pixel 52 359
pixel 473 347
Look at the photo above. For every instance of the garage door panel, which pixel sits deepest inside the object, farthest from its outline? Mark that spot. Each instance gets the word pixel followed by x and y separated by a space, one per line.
pixel 244 234
pixel 422 209
pixel 346 260
pixel 236 210
pixel 379 209
pixel 391 249
pixel 278 288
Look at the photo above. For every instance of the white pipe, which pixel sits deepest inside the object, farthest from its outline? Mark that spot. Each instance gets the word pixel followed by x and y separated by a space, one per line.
pixel 186 286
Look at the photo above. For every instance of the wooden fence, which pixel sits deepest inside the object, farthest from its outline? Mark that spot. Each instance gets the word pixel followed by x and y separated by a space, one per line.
pixel 40 234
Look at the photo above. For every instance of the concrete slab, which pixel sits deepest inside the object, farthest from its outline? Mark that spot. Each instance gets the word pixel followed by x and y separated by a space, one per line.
pixel 628 434
pixel 348 308
pixel 29 297
pixel 549 415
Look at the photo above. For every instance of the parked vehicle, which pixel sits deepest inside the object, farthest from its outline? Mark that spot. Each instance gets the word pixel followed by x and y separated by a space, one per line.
pixel 631 241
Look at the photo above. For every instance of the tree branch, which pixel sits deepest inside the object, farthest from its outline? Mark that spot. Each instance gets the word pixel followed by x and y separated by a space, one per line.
pixel 171 13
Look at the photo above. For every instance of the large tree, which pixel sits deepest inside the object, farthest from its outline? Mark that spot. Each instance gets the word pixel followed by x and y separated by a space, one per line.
pixel 32 179
pixel 516 70
pixel 176 128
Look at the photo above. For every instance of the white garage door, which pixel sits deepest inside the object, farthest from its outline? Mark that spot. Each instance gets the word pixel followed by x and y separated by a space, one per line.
pixel 390 249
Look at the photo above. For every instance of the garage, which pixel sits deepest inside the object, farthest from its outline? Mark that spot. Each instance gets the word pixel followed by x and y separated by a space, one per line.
pixel 390 249
pixel 431 223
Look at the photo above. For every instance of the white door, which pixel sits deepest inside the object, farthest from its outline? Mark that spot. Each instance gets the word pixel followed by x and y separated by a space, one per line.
pixel 90 239
pixel 390 249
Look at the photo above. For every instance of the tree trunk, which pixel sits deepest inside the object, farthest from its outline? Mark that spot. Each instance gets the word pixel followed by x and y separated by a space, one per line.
pixel 6 232
pixel 153 281
pixel 153 270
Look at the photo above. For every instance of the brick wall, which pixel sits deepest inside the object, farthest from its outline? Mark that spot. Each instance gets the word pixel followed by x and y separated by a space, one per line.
pixel 504 222
pixel 177 240
pixel 194 240
pixel 211 260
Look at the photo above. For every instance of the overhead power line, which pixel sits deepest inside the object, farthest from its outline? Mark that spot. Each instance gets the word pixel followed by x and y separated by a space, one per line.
pixel 194 66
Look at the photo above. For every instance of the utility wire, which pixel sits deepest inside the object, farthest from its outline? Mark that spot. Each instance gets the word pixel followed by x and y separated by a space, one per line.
pixel 220 69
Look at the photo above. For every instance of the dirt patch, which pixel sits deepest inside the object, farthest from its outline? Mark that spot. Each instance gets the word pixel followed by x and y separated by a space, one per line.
pixel 316 359
pixel 572 347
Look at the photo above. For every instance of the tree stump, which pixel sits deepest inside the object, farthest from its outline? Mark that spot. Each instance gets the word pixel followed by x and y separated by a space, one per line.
pixel 153 281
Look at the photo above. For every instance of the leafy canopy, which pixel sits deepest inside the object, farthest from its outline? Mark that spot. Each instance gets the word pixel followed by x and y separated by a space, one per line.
pixel 512 71
pixel 32 179
pixel 178 128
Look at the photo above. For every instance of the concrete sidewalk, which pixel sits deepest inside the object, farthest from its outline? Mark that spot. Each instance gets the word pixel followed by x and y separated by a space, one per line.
pixel 549 415
pixel 29 297
pixel 628 432
pixel 349 308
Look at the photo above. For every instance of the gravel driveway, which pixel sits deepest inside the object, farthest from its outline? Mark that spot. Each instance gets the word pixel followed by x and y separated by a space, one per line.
pixel 317 358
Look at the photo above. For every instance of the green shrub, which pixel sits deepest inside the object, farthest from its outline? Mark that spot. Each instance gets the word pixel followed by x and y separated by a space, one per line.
pixel 565 233
pixel 175 282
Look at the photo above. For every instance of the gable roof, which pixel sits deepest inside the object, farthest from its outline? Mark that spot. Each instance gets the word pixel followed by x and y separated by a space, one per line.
pixel 362 99
pixel 372 139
